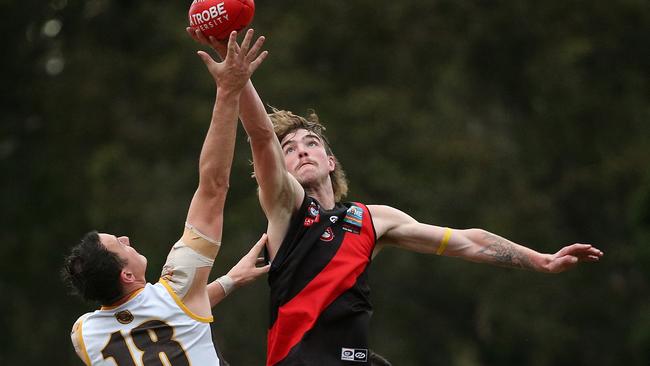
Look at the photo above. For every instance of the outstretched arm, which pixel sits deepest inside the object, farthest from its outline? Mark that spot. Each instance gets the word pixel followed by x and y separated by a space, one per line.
pixel 396 228
pixel 205 215
pixel 243 273
pixel 280 193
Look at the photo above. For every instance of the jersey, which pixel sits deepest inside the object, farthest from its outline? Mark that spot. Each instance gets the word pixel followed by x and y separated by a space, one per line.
pixel 320 305
pixel 151 326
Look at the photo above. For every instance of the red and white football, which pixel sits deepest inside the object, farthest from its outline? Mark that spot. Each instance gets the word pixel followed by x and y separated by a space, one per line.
pixel 218 18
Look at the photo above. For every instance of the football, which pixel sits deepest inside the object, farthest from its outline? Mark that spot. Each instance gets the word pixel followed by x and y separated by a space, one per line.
pixel 218 18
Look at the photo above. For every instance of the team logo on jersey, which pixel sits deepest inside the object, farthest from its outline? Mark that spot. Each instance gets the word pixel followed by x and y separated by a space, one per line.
pixel 327 235
pixel 313 215
pixel 124 316
pixel 313 210
pixel 354 354
pixel 334 219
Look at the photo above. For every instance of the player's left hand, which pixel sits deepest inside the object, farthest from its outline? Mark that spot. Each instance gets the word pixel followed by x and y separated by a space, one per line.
pixel 220 46
pixel 239 64
pixel 247 270
pixel 569 256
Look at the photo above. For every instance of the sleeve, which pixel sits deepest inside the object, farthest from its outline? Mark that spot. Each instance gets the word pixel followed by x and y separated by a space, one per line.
pixel 76 337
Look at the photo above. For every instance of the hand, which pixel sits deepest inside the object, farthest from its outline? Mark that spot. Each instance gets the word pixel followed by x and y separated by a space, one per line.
pixel 569 256
pixel 239 63
pixel 220 46
pixel 246 270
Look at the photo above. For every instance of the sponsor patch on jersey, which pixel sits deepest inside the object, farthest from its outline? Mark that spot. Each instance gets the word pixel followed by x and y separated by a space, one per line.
pixel 351 229
pixel 354 354
pixel 354 216
pixel 353 220
pixel 124 316
pixel 327 235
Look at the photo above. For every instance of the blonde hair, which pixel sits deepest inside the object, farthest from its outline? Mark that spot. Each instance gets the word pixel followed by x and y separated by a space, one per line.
pixel 285 122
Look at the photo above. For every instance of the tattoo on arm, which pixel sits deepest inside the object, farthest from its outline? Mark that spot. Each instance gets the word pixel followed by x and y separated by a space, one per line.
pixel 504 253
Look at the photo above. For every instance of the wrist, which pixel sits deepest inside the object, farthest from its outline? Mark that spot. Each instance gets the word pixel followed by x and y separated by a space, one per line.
pixel 542 263
pixel 227 284
pixel 224 93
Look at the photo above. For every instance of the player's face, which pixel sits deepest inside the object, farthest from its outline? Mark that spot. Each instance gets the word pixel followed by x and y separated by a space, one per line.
pixel 305 157
pixel 135 262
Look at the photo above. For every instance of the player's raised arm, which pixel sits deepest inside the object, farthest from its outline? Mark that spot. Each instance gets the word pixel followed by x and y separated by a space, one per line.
pixel 396 228
pixel 280 193
pixel 205 214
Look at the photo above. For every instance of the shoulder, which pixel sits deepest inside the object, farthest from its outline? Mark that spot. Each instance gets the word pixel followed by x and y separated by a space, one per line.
pixel 387 220
pixel 387 215
pixel 77 324
pixel 76 336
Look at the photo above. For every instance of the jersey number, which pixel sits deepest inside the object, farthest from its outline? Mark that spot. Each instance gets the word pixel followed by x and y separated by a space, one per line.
pixel 154 338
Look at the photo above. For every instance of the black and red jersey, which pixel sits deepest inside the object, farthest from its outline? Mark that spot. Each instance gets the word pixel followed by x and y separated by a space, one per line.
pixel 320 306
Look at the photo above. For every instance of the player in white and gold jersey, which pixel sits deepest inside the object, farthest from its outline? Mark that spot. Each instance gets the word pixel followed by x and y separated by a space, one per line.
pixel 167 323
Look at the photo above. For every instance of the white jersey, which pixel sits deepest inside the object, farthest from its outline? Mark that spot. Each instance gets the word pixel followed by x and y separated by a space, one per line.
pixel 154 327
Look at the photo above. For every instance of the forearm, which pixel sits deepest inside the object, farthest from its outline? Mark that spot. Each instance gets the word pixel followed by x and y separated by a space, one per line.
pixel 223 286
pixel 253 113
pixel 218 148
pixel 268 158
pixel 485 247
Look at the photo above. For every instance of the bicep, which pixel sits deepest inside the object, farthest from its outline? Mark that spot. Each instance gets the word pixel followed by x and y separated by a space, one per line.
pixel 396 228
pixel 416 237
pixel 206 213
pixel 279 190
pixel 279 207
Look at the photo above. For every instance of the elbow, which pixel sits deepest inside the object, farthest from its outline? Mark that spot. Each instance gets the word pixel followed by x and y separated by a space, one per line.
pixel 261 134
pixel 475 235
pixel 468 243
pixel 214 177
pixel 216 187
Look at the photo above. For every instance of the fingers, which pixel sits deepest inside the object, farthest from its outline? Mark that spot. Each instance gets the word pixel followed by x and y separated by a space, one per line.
pixel 233 47
pixel 258 61
pixel 575 248
pixel 256 47
pixel 258 247
pixel 245 44
pixel 197 35
pixel 263 239
pixel 581 251
pixel 192 34
pixel 264 269
pixel 207 60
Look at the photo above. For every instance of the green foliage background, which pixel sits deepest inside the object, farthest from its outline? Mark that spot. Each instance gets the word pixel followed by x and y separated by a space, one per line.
pixel 530 119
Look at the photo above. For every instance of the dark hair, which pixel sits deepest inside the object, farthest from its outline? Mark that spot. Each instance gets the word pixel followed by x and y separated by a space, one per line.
pixel 93 271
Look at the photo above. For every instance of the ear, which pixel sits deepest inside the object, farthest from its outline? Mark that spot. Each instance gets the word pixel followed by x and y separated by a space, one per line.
pixel 331 163
pixel 126 276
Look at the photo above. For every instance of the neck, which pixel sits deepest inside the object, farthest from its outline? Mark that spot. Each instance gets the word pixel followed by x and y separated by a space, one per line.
pixel 133 287
pixel 323 195
pixel 128 294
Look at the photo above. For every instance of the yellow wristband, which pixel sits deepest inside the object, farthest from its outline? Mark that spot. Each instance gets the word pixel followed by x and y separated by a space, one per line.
pixel 444 242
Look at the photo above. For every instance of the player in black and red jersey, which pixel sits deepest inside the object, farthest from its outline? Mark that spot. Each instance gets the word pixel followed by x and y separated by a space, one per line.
pixel 320 247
